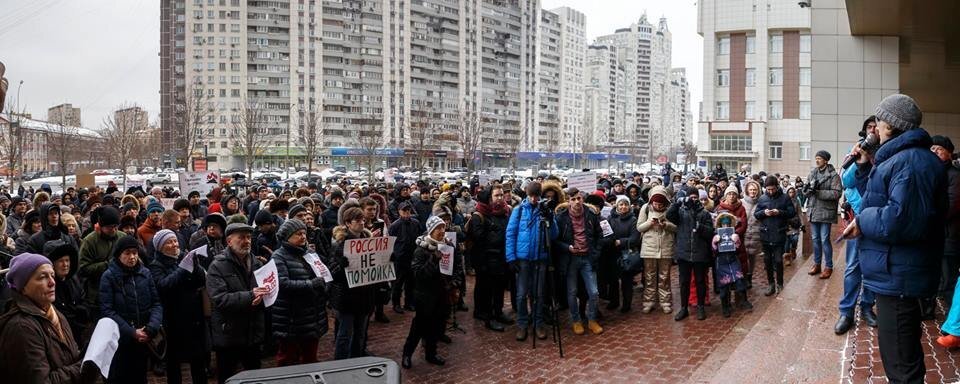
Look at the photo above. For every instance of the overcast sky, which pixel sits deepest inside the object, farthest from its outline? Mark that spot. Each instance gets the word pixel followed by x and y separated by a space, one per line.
pixel 98 54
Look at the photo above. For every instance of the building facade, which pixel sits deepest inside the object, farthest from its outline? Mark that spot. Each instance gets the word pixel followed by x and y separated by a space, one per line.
pixel 65 114
pixel 756 106
pixel 44 144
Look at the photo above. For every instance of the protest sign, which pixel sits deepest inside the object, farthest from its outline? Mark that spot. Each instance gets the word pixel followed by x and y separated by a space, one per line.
pixel 103 345
pixel 319 268
pixel 726 240
pixel 586 182
pixel 202 182
pixel 450 238
pixel 446 259
pixel 607 229
pixel 369 260
pixel 605 212
pixel 167 202
pixel 187 262
pixel 267 278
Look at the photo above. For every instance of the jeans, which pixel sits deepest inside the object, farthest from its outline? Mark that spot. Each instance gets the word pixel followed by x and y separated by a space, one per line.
pixel 899 332
pixel 853 283
pixel 773 262
pixel 530 282
pixel 351 331
pixel 821 244
pixel 580 266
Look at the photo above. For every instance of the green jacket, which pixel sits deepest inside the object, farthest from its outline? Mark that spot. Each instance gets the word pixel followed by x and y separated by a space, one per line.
pixel 94 258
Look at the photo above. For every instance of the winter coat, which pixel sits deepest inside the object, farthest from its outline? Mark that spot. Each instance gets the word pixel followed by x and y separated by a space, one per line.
pixel 95 251
pixel 147 230
pixel 822 203
pixel 952 244
pixel 406 232
pixel 129 297
pixel 47 233
pixel 903 216
pixel 773 229
pixel 431 287
pixel 234 321
pixel 70 294
pixel 301 307
pixel 357 300
pixel 393 210
pixel 466 205
pixel 523 234
pixel 181 295
pixel 487 234
pixel 565 237
pixel 752 240
pixel 22 243
pixel 328 219
pixel 33 352
pixel 694 232
pixel 423 208
pixel 848 179
pixel 656 242
pixel 14 222
pixel 624 229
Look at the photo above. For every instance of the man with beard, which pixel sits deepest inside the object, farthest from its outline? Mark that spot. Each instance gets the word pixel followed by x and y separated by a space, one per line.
pixel 237 304
pixel 95 251
pixel 823 194
pixel 486 230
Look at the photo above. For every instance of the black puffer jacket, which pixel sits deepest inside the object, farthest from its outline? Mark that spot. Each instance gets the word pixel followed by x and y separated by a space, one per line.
pixel 773 229
pixel 488 236
pixel 431 287
pixel 406 232
pixel 694 231
pixel 37 240
pixel 235 322
pixel 181 294
pixel 301 307
pixel 624 229
pixel 357 300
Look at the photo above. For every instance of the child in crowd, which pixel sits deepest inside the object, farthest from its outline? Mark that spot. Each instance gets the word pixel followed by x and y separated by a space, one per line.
pixel 726 245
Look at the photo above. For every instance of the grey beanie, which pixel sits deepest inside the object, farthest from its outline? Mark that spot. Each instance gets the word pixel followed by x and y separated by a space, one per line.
pixel 288 228
pixel 900 111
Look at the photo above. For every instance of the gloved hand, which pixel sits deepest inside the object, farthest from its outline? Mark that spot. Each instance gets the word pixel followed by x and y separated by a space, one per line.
pixel 317 282
pixel 681 196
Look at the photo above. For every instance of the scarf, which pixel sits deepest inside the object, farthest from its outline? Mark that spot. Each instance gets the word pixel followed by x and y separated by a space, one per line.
pixel 52 316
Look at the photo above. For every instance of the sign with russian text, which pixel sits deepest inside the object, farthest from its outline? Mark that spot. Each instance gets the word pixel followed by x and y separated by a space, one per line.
pixel 267 278
pixel 586 182
pixel 319 268
pixel 202 182
pixel 446 259
pixel 369 260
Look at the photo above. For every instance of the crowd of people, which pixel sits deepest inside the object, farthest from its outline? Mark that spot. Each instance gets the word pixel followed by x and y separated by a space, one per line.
pixel 185 273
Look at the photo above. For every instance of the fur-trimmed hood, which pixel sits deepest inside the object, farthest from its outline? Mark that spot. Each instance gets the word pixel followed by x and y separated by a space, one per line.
pixel 725 214
pixel 340 233
pixel 553 185
pixel 349 203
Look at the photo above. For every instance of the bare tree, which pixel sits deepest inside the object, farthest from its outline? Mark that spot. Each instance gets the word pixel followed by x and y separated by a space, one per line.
pixel 61 142
pixel 423 131
pixel 513 145
pixel 248 133
pixel 311 134
pixel 190 116
pixel 369 137
pixel 11 142
pixel 122 133
pixel 470 133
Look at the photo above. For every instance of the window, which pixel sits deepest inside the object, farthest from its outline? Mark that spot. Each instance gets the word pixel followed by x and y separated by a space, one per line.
pixel 776 150
pixel 723 110
pixel 723 46
pixel 804 110
pixel 730 143
pixel 804 43
pixel 805 77
pixel 776 76
pixel 723 77
pixel 805 151
pixel 750 113
pixel 776 44
pixel 751 44
pixel 775 111
pixel 751 77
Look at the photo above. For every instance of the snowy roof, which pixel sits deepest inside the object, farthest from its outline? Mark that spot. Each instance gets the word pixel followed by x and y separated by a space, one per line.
pixel 50 127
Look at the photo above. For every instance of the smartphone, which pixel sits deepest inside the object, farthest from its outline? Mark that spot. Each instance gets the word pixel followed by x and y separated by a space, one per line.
pixel 378 225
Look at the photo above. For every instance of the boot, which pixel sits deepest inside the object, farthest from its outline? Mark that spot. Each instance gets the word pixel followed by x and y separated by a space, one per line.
pixel 701 313
pixel 725 306
pixel 770 290
pixel 827 272
pixel 681 314
pixel 787 261
pixel 743 303
pixel 521 333
pixel 749 278
pixel 815 270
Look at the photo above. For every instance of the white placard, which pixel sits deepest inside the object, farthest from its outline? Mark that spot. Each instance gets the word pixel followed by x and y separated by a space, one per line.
pixel 167 202
pixel 103 345
pixel 187 262
pixel 586 182
pixel 450 238
pixel 267 278
pixel 605 212
pixel 446 259
pixel 202 182
pixel 605 226
pixel 319 268
pixel 369 260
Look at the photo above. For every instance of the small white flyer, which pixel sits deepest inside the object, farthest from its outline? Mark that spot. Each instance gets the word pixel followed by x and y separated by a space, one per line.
pixel 267 277
pixel 319 268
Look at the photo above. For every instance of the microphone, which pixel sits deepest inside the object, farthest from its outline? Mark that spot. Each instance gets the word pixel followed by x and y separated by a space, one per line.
pixel 868 144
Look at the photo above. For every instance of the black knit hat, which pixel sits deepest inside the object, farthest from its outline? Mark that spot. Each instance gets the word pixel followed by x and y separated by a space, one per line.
pixel 944 142
pixel 823 155
pixel 108 215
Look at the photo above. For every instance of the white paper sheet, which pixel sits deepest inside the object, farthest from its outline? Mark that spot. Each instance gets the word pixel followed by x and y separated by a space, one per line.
pixel 267 277
pixel 103 345
pixel 318 266
pixel 187 262
pixel 446 259
pixel 605 226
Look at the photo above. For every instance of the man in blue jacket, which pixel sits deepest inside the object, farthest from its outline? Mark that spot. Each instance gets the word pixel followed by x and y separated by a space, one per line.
pixel 528 256
pixel 904 199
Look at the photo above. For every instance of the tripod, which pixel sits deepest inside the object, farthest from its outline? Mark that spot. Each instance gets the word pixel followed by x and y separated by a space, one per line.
pixel 544 226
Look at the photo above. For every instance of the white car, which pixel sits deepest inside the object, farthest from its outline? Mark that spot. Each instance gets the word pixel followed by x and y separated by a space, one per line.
pixel 160 178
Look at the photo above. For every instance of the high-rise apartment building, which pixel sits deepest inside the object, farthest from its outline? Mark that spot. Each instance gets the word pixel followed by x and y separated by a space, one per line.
pixel 172 78
pixel 604 97
pixel 561 91
pixel 64 114
pixel 756 101
pixel 134 115
pixel 677 119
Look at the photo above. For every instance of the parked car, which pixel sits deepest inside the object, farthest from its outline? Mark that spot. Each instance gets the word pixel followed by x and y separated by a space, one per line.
pixel 160 178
